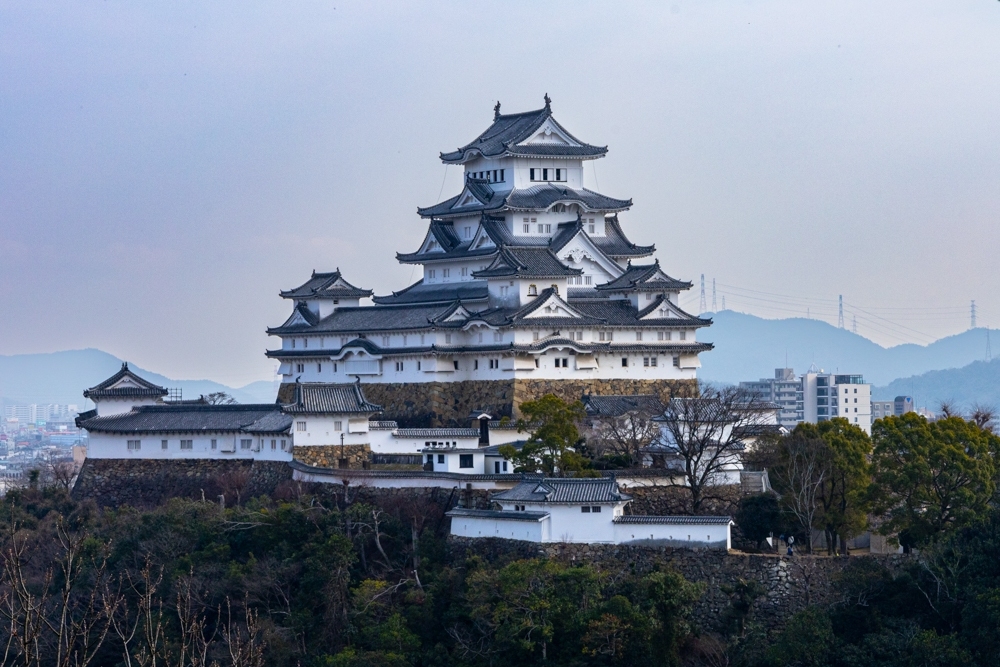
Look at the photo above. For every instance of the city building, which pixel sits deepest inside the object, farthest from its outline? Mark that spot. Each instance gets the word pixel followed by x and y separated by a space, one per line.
pixel 584 511
pixel 819 396
pixel 526 275
pixel 894 408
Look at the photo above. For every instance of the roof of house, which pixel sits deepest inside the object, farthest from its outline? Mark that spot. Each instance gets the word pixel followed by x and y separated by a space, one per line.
pixel 534 198
pixel 674 520
pixel 644 277
pixel 437 433
pixel 526 263
pixel 326 286
pixel 125 384
pixel 421 293
pixel 509 130
pixel 497 514
pixel 247 418
pixel 322 397
pixel 618 405
pixel 560 490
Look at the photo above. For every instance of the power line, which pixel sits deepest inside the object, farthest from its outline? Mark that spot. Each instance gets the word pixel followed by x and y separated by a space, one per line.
pixel 703 306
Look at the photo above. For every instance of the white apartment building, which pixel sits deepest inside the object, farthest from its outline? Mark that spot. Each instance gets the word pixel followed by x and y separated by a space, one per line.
pixel 819 396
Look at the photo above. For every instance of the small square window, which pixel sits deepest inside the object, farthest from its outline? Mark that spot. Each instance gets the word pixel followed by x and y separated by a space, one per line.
pixel 595 509
pixel 247 443
pixel 187 444
pixel 300 426
pixel 585 509
pixel 440 458
pixel 338 425
pixel 624 362
pixel 215 443
pixel 163 444
pixel 465 460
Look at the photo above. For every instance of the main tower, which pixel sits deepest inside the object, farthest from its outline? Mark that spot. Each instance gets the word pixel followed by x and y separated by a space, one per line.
pixel 529 287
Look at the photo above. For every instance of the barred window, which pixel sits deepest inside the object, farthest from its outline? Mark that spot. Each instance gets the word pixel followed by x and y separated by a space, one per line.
pixel 135 444
pixel 187 444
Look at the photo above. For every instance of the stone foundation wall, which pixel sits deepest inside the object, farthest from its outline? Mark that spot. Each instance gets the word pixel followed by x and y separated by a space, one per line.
pixel 426 404
pixel 790 584
pixel 144 483
pixel 329 456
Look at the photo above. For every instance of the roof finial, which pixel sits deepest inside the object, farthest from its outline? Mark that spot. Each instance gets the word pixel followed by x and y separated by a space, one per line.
pixel 548 102
pixel 496 110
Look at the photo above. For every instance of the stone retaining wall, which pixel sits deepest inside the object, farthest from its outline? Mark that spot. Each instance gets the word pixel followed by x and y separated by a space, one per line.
pixel 329 456
pixel 427 404
pixel 145 482
pixel 790 584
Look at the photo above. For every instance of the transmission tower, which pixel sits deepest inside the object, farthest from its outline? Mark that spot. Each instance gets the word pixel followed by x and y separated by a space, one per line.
pixel 840 313
pixel 704 305
pixel 854 324
pixel 714 308
pixel 973 314
pixel 723 302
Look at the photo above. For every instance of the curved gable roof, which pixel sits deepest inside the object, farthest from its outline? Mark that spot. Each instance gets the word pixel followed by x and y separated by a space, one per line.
pixel 124 384
pixel 507 132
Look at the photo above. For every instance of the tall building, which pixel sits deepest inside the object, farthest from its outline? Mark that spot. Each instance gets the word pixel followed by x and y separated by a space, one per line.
pixel 896 407
pixel 529 284
pixel 818 396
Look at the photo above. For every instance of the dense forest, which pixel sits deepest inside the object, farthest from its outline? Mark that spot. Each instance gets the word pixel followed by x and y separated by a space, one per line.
pixel 303 578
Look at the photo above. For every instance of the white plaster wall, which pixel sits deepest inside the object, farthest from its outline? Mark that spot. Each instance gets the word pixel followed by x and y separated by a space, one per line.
pixel 114 446
pixel 322 430
pixel 569 524
pixel 114 406
pixel 696 536
pixel 530 531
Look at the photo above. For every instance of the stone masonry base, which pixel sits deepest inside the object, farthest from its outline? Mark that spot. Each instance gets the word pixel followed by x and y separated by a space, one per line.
pixel 427 404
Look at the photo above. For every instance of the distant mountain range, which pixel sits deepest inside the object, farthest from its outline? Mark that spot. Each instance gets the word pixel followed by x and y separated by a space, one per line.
pixel 749 347
pixel 746 348
pixel 979 382
pixel 61 377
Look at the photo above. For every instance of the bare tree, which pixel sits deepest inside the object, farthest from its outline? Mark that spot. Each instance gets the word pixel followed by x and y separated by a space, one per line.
pixel 629 432
pixel 802 476
pixel 706 436
pixel 219 398
pixel 984 416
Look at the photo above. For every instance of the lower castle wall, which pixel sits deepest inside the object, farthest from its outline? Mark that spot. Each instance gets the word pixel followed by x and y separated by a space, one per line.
pixel 790 584
pixel 142 483
pixel 427 404
pixel 329 456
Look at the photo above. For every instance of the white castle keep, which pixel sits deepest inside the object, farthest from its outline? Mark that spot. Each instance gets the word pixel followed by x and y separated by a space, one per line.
pixel 527 274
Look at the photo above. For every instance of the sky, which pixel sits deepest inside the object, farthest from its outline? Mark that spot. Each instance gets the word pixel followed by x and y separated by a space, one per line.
pixel 167 168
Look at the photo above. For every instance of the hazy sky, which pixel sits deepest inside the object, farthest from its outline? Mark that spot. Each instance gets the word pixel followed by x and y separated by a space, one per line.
pixel 166 168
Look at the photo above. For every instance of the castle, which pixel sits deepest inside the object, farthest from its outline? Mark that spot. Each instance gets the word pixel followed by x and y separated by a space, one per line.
pixel 529 287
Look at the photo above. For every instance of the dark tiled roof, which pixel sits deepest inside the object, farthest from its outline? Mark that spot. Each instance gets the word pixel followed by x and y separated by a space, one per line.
pixel 321 397
pixel 644 277
pixel 248 418
pixel 675 520
pixel 420 293
pixel 616 244
pixel 616 406
pixel 621 312
pixel 437 432
pixel 527 263
pixel 325 285
pixel 377 318
pixel 498 514
pixel 134 386
pixel 535 198
pixel 555 490
pixel 507 130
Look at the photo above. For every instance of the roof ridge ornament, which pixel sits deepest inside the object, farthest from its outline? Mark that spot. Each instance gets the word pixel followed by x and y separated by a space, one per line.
pixel 548 102
pixel 496 111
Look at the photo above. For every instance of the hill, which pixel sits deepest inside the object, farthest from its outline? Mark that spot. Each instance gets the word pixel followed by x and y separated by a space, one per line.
pixel 749 347
pixel 61 377
pixel 979 382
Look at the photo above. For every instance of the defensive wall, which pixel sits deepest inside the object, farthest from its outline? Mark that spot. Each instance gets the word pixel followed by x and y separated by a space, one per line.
pixel 789 584
pixel 429 404
pixel 141 483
